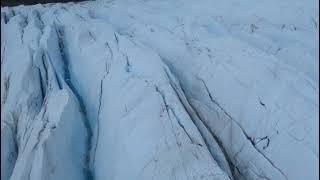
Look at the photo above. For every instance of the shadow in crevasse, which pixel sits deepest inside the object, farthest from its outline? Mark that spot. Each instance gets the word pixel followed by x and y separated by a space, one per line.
pixel 31 2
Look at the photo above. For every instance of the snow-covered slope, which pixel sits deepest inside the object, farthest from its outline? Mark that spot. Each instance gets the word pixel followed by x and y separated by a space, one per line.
pixel 133 89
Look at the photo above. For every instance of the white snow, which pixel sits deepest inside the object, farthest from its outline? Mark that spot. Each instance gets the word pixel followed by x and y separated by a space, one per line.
pixel 136 89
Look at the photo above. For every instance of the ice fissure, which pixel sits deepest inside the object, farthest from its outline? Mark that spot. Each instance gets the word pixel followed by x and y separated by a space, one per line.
pixel 68 80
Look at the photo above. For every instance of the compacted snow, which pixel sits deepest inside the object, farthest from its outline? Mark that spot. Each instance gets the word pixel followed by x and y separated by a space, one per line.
pixel 164 90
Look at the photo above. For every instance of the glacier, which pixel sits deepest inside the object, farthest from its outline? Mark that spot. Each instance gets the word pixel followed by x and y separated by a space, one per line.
pixel 161 90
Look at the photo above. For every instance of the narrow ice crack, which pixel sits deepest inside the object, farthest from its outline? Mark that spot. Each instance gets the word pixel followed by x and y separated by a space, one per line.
pixel 107 71
pixel 198 122
pixel 98 121
pixel 3 51
pixel 250 139
pixel 167 108
pixel 6 89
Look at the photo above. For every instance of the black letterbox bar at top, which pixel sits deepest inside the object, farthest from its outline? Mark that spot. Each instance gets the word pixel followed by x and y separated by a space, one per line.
pixel 32 2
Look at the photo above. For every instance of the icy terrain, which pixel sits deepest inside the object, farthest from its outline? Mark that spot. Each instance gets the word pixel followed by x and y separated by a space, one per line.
pixel 160 90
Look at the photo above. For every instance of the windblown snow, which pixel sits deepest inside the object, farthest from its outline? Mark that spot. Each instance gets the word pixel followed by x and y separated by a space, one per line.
pixel 160 90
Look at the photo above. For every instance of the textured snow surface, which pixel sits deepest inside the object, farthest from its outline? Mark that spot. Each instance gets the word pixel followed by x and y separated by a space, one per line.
pixel 164 90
